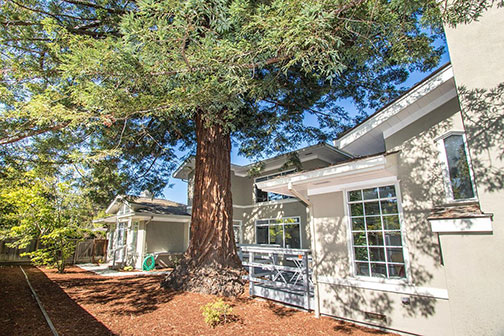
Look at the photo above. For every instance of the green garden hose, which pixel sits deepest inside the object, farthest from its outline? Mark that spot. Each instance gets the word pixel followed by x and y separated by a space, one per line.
pixel 149 263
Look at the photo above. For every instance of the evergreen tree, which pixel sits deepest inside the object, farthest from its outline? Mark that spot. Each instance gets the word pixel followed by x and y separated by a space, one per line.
pixel 135 80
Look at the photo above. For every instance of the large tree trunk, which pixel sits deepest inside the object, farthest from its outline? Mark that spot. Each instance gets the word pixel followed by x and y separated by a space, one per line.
pixel 210 264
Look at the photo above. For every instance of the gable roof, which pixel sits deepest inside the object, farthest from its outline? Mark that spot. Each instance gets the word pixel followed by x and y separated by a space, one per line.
pixel 368 136
pixel 147 205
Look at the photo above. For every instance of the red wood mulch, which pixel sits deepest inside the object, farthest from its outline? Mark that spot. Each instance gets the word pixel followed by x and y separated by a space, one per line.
pixel 82 303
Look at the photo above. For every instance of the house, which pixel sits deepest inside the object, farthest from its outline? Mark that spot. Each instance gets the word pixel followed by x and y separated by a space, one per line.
pixel 141 226
pixel 261 217
pixel 409 234
pixel 404 215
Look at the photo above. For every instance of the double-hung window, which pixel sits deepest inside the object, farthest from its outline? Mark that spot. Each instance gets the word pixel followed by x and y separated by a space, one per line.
pixel 263 196
pixel 376 232
pixel 285 232
pixel 458 176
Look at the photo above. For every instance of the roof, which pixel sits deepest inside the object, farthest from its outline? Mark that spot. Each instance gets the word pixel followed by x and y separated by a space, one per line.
pixel 322 149
pixel 148 205
pixel 341 173
pixel 158 206
pixel 424 97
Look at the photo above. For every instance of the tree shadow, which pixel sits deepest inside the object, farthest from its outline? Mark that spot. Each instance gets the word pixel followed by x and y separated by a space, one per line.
pixel 483 111
pixel 66 314
pixel 127 295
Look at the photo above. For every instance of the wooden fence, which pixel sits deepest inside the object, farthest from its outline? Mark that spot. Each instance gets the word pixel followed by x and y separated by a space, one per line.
pixel 89 250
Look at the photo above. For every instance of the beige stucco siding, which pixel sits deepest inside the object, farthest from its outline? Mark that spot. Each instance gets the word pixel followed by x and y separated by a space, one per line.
pixel 422 188
pixel 166 236
pixel 291 208
pixel 424 315
pixel 475 263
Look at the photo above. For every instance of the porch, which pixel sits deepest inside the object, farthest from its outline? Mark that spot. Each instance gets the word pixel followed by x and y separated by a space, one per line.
pixel 279 274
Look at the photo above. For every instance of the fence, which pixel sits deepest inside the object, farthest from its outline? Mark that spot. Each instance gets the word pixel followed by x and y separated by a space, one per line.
pixel 90 250
pixel 12 254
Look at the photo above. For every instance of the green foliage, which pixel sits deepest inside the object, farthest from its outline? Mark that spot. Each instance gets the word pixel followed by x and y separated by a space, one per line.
pixel 45 211
pixel 56 247
pixel 216 312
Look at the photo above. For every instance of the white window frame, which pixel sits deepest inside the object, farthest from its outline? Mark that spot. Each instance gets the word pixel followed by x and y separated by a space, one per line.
pixel 446 170
pixel 351 253
pixel 238 223
pixel 286 172
pixel 282 224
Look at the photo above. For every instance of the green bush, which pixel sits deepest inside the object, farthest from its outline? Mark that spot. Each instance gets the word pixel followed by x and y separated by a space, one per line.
pixel 216 312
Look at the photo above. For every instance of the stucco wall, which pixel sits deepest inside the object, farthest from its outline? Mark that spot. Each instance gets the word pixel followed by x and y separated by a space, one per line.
pixel 421 187
pixel 475 263
pixel 166 236
pixel 341 297
pixel 279 209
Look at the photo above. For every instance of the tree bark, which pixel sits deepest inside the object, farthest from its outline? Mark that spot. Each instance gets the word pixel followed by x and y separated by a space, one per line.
pixel 210 265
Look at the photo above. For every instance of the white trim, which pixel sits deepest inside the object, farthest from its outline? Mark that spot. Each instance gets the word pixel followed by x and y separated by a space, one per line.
pixel 437 293
pixel 446 172
pixel 411 118
pixel 355 185
pixel 350 168
pixel 403 102
pixel 404 243
pixel 475 224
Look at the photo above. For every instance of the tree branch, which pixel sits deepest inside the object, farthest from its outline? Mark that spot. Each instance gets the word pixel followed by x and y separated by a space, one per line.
pixel 31 133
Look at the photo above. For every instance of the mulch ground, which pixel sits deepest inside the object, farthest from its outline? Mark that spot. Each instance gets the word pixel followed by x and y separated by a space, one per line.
pixel 83 303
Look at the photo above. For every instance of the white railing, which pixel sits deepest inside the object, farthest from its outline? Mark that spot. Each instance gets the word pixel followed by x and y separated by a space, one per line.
pixel 281 274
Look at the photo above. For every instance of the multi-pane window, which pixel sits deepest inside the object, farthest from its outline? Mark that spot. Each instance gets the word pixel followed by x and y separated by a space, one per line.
pixel 263 196
pixel 459 174
pixel 376 232
pixel 285 232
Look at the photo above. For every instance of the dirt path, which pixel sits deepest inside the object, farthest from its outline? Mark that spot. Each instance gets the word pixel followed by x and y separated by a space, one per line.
pixel 82 303
pixel 19 313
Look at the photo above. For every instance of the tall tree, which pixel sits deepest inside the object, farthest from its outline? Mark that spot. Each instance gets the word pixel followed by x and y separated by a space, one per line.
pixel 136 79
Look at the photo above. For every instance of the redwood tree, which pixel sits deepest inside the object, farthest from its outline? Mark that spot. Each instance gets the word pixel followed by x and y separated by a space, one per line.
pixel 121 84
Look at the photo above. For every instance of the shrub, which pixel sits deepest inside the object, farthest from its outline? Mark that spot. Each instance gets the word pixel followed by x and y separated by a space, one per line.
pixel 216 312
pixel 128 268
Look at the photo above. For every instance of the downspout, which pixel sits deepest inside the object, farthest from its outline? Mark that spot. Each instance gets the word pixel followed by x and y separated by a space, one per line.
pixel 306 200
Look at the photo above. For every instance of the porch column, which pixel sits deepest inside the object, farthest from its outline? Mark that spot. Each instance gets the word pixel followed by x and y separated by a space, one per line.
pixel 141 246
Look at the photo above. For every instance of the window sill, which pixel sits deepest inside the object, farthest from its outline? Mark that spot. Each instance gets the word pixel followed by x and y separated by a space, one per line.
pixel 461 225
pixel 392 286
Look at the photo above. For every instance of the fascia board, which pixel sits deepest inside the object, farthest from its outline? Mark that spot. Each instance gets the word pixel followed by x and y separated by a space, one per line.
pixel 402 103
pixel 420 113
pixel 350 168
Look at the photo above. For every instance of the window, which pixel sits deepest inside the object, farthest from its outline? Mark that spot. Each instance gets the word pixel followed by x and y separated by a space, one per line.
pixel 458 173
pixel 237 229
pixel 285 232
pixel 262 196
pixel 376 232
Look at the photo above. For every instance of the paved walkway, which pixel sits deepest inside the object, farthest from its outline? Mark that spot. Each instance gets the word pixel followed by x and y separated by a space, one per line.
pixel 104 270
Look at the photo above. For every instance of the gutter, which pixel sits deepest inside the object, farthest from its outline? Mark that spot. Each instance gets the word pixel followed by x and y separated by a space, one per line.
pixel 307 201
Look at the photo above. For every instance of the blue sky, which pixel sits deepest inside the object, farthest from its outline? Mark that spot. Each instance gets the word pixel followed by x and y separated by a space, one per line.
pixel 177 191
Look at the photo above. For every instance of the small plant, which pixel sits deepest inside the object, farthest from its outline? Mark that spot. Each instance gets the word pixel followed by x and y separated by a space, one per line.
pixel 216 312
pixel 128 268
